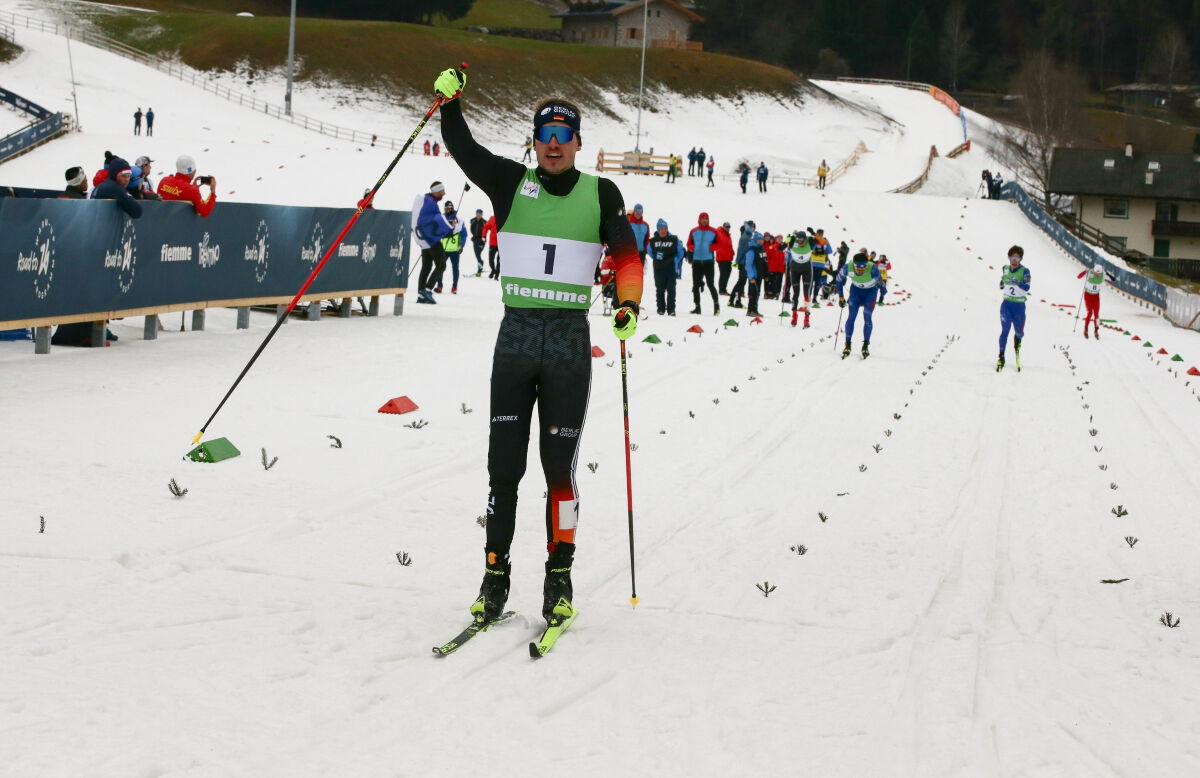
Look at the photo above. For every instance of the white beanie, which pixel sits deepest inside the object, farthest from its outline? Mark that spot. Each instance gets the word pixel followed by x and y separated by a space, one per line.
pixel 185 164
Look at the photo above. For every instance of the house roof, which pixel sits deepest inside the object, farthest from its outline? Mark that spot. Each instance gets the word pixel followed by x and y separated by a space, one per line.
pixel 1109 173
pixel 1145 87
pixel 578 8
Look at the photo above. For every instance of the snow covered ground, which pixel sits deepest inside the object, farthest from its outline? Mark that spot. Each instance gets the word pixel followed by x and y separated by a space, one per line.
pixel 948 618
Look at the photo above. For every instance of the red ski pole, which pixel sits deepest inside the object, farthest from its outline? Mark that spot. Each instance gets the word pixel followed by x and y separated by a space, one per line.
pixel 366 202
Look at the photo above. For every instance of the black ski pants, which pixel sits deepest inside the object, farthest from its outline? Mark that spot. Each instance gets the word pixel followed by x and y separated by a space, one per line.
pixel 702 274
pixel 542 356
pixel 723 269
pixel 664 285
pixel 433 264
pixel 800 281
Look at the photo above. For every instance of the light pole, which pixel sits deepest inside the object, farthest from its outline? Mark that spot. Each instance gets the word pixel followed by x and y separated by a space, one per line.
pixel 287 96
pixel 71 62
pixel 637 143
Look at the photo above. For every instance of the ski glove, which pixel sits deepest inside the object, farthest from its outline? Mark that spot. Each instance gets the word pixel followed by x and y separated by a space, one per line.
pixel 624 321
pixel 841 302
pixel 450 83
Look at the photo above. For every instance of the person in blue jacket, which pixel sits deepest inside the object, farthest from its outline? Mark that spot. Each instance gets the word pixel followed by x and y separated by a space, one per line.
pixel 744 177
pixel 864 282
pixel 641 231
pixel 699 254
pixel 666 254
pixel 1014 282
pixel 745 241
pixel 761 175
pixel 755 263
pixel 116 187
pixel 429 227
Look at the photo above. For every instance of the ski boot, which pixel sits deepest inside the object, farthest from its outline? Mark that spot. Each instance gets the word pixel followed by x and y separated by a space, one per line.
pixel 866 350
pixel 1085 332
pixel 795 317
pixel 1017 352
pixel 1000 363
pixel 1097 332
pixel 846 350
pixel 716 309
pixel 695 310
pixel 557 592
pixel 493 592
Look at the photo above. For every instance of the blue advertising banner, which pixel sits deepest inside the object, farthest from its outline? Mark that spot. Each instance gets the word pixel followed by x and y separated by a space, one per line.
pixel 21 104
pixel 14 144
pixel 64 259
pixel 1137 285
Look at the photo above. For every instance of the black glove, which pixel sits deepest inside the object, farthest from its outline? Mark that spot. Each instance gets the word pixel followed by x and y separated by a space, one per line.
pixel 841 302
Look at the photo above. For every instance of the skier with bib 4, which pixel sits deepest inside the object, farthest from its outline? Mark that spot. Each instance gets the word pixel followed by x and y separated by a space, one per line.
pixel 1091 297
pixel 553 223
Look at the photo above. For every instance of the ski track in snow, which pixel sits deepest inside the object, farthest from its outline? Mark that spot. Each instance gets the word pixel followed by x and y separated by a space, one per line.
pixel 947 619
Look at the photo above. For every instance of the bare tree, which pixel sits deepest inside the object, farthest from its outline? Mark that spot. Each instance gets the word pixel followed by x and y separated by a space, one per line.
pixel 1049 115
pixel 1170 57
pixel 956 42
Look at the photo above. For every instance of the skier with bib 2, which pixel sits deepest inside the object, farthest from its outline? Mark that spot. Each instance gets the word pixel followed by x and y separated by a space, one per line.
pixel 864 281
pixel 553 223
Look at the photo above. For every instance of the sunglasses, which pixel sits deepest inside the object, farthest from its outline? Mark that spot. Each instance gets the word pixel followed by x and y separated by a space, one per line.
pixel 546 132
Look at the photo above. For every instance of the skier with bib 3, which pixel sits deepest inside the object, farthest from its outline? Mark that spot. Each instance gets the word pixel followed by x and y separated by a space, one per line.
pixel 553 223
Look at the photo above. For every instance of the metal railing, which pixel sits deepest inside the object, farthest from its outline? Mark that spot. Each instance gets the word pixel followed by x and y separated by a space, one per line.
pixel 193 77
pixel 8 33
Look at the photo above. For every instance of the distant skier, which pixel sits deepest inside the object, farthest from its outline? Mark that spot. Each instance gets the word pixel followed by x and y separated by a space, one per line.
pixel 884 266
pixel 1014 282
pixel 1091 296
pixel 863 278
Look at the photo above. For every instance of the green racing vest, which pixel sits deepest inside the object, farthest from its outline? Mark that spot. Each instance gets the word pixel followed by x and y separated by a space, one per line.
pixel 550 245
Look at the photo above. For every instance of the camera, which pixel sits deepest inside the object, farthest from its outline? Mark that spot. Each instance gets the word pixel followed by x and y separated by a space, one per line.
pixel 207 180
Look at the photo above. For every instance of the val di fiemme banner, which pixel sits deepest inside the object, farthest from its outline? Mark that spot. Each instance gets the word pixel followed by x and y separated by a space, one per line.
pixel 69 259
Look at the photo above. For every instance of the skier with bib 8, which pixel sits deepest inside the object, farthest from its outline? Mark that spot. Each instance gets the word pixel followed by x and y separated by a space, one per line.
pixel 553 223
pixel 864 282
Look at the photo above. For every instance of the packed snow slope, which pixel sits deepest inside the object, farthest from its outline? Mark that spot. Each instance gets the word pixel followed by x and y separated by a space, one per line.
pixel 948 616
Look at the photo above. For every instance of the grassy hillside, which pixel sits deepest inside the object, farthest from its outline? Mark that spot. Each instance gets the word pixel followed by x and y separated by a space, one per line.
pixel 404 58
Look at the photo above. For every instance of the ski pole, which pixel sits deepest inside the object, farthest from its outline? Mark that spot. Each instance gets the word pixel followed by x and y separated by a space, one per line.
pixel 633 599
pixel 1077 307
pixel 837 334
pixel 366 202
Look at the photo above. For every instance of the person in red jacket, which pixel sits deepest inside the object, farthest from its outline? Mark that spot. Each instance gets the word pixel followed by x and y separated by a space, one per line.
pixel 181 186
pixel 489 232
pixel 723 249
pixel 776 265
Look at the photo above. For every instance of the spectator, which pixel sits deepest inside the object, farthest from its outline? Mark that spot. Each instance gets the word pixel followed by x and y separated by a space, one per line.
pixel 641 231
pixel 437 148
pixel 452 245
pixel 709 166
pixel 183 186
pixel 374 138
pixel 490 232
pixel 700 157
pixel 700 256
pixel 114 186
pixel 528 148
pixel 692 161
pixel 477 240
pixel 364 203
pixel 145 186
pixel 997 185
pixel 137 123
pixel 776 265
pixel 427 147
pixel 822 171
pixel 76 184
pixel 672 168
pixel 744 248
pixel 149 121
pixel 987 183
pixel 102 173
pixel 744 176
pixel 761 175
pixel 667 255
pixel 429 227
pixel 843 251
pixel 723 250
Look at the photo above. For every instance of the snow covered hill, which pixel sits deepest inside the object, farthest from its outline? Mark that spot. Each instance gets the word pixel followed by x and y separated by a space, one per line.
pixel 949 616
